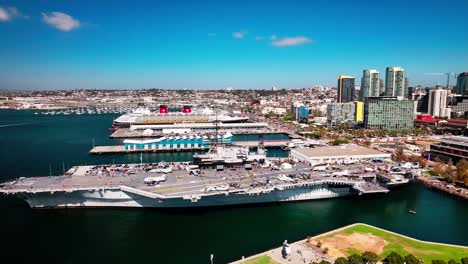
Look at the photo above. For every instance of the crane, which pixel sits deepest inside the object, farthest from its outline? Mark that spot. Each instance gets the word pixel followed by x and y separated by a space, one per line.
pixel 444 73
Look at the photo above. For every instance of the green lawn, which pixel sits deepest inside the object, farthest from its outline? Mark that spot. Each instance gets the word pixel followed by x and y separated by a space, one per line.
pixel 261 260
pixel 405 246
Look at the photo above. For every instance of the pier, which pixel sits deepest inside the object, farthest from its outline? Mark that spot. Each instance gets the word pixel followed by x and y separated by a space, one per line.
pixel 120 149
pixel 266 143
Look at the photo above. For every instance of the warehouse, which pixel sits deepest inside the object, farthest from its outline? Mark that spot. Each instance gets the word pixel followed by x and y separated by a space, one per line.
pixel 337 154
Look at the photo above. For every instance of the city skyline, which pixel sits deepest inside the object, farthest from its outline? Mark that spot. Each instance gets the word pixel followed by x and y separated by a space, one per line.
pixel 212 45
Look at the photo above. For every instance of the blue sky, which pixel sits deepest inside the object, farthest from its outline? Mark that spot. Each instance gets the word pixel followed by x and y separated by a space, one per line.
pixel 67 44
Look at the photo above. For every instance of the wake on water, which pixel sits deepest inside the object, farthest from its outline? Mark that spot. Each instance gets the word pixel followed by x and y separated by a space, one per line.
pixel 18 124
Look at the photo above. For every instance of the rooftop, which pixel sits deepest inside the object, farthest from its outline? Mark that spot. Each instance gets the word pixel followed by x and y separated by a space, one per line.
pixel 457 140
pixel 338 151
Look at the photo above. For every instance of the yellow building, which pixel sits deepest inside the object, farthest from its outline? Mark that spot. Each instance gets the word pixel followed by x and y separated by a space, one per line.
pixel 359 111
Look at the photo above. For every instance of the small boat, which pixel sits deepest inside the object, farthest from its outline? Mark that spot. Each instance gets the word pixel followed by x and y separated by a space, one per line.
pixel 113 128
pixel 412 212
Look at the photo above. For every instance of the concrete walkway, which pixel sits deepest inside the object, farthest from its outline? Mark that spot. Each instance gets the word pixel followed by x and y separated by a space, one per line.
pixel 300 254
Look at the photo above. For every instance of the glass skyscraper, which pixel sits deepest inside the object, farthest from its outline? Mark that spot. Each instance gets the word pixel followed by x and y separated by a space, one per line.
pixel 346 89
pixel 462 83
pixel 395 84
pixel 370 84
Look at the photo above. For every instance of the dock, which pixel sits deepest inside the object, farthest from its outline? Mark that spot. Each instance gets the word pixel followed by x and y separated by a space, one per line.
pixel 266 143
pixel 120 149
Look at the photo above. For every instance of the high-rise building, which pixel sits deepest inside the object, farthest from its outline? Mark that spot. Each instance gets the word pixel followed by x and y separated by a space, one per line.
pixel 395 82
pixel 382 87
pixel 388 113
pixel 406 90
pixel 370 84
pixel 462 83
pixel 346 89
pixel 300 112
pixel 437 106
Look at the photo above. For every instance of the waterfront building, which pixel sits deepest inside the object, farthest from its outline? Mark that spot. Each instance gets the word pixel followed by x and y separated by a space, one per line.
pixel 395 82
pixel 337 154
pixel 437 106
pixel 300 112
pixel 177 142
pixel 346 89
pixel 462 83
pixel 450 148
pixel 388 113
pixel 370 84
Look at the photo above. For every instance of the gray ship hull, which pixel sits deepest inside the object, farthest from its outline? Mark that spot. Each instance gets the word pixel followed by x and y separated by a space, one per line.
pixel 123 198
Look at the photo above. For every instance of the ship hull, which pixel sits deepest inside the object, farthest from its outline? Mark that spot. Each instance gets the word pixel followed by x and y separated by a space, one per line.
pixel 120 198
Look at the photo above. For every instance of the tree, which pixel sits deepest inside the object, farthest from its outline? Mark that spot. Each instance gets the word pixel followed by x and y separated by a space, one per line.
pixel 394 258
pixel 452 262
pixel 341 260
pixel 411 259
pixel 464 260
pixel 398 154
pixel 462 171
pixel 324 262
pixel 370 257
pixel 339 142
pixel 438 261
pixel 355 259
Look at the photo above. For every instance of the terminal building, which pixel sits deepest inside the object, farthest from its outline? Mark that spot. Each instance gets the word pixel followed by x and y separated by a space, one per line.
pixel 337 154
pixel 177 142
pixel 450 148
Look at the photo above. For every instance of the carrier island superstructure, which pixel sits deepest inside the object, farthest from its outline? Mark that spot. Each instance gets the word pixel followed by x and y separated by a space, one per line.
pixel 224 176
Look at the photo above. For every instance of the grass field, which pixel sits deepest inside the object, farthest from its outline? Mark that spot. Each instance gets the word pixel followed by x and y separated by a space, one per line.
pixel 261 260
pixel 388 242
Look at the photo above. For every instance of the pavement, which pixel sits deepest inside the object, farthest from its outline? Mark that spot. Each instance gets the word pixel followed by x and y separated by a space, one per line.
pixel 300 254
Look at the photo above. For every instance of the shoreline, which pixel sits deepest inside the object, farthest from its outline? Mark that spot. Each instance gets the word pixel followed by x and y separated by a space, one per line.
pixel 443 187
pixel 298 243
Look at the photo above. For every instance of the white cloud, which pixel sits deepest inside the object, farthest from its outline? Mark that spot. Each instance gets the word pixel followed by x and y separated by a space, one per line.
pixel 259 38
pixel 61 21
pixel 273 37
pixel 9 13
pixel 239 35
pixel 284 42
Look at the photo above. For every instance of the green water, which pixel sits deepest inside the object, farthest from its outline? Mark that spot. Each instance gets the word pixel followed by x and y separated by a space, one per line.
pixel 179 236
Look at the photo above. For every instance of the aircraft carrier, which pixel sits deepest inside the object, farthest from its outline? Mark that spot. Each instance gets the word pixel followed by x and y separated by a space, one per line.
pixel 232 177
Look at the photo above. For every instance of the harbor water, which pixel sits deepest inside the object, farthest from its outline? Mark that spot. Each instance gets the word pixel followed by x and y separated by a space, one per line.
pixel 33 145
